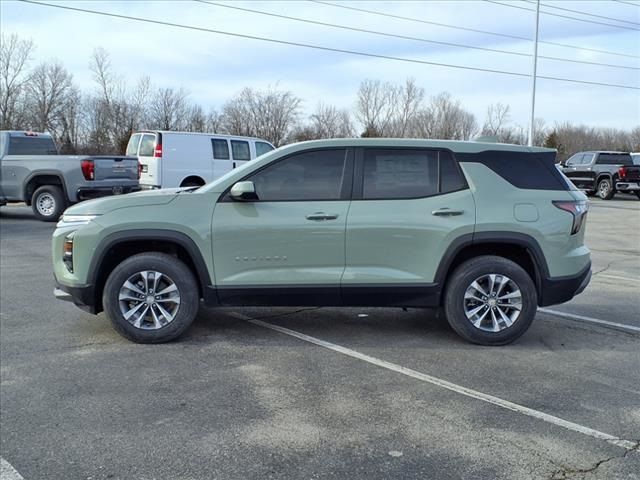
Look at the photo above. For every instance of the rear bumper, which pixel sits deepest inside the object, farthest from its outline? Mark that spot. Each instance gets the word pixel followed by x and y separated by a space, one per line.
pixel 628 186
pixel 82 297
pixel 86 193
pixel 562 289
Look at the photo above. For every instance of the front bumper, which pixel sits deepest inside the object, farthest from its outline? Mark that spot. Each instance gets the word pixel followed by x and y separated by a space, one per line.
pixel 562 289
pixel 87 193
pixel 627 186
pixel 82 297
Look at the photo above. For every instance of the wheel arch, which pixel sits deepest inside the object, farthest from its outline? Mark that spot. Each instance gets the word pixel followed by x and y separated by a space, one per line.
pixel 42 178
pixel 192 179
pixel 118 246
pixel 517 247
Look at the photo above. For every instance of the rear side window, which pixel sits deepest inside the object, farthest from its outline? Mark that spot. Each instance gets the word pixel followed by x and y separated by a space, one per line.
pixel 146 145
pixel 220 149
pixel 240 150
pixel 397 173
pixel 132 146
pixel 614 159
pixel 316 175
pixel 30 145
pixel 526 170
pixel 262 147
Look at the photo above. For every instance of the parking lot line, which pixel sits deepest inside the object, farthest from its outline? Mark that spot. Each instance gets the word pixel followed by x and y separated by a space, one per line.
pixel 629 445
pixel 617 277
pixel 7 472
pixel 597 321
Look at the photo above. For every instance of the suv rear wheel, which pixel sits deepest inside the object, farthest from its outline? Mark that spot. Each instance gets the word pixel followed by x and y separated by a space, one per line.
pixel 490 300
pixel 151 298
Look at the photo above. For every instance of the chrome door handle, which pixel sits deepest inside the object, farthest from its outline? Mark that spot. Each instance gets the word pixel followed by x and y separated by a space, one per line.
pixel 321 216
pixel 446 212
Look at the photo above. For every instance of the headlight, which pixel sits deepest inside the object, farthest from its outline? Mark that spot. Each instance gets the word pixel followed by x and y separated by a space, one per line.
pixel 67 251
pixel 75 219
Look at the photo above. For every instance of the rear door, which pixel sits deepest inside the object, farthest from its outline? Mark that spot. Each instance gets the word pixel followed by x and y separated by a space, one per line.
pixel 409 204
pixel 115 168
pixel 151 173
pixel 288 246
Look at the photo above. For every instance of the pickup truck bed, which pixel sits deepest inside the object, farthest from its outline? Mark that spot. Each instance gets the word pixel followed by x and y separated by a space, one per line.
pixel 31 173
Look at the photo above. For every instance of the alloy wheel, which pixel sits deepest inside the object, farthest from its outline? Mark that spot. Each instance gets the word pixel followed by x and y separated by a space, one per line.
pixel 493 302
pixel 149 300
pixel 46 204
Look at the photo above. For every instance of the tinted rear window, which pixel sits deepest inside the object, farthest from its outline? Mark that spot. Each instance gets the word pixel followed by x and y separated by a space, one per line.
pixel 132 146
pixel 527 170
pixel 614 159
pixel 146 145
pixel 451 178
pixel 29 145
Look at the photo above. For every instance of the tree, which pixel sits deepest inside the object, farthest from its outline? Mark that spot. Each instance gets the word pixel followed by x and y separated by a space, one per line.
pixel 169 109
pixel 444 118
pixel 270 114
pixel 48 95
pixel 496 119
pixel 14 61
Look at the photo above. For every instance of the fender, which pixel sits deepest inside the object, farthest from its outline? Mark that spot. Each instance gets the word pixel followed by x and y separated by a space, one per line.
pixel 38 173
pixel 124 236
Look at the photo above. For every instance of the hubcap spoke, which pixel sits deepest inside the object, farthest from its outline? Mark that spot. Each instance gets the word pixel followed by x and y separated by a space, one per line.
pixel 149 300
pixel 492 302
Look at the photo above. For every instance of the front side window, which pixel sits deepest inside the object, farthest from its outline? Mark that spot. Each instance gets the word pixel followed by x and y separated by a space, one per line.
pixel 316 175
pixel 240 150
pixel 398 173
pixel 587 158
pixel 574 160
pixel 262 147
pixel 132 146
pixel 220 149
pixel 146 145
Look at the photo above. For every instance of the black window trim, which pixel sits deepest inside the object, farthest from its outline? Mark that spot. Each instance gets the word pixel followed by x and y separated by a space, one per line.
pixel 213 148
pixel 358 178
pixel 345 189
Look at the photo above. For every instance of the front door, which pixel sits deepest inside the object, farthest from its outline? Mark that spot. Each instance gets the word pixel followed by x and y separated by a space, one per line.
pixel 288 246
pixel 408 206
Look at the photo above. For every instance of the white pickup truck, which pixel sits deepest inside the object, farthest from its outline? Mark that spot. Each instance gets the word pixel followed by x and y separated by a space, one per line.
pixel 31 171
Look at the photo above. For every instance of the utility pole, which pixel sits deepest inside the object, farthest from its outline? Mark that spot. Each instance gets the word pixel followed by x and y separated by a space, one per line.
pixel 535 67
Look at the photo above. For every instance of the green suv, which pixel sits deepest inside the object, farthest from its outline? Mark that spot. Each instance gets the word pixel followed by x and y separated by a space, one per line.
pixel 486 231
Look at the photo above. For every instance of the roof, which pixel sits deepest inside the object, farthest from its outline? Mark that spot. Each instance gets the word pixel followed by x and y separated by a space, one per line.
pixel 453 145
pixel 23 132
pixel 165 132
pixel 606 151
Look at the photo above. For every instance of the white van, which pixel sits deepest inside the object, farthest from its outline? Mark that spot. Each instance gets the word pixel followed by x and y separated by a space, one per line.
pixel 185 159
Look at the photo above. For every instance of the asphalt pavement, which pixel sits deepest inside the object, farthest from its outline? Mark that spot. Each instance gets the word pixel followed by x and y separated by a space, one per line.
pixel 286 393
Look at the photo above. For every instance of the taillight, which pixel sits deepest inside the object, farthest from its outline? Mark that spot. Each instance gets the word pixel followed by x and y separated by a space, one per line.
pixel 157 152
pixel 88 169
pixel 622 173
pixel 139 170
pixel 577 208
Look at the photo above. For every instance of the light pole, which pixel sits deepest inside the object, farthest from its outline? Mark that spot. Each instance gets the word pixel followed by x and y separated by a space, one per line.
pixel 535 67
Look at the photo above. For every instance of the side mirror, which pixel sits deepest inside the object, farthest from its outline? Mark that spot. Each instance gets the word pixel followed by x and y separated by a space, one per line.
pixel 243 191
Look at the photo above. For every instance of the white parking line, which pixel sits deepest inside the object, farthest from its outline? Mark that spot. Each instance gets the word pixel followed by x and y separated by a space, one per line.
pixel 447 385
pixel 617 277
pixel 7 472
pixel 597 321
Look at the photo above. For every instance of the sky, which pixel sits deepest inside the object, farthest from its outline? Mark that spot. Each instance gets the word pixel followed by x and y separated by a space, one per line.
pixel 214 67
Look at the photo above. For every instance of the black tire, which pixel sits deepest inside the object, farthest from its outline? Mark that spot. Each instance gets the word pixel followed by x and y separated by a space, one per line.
pixel 168 266
pixel 605 190
pixel 638 194
pixel 48 203
pixel 590 193
pixel 462 278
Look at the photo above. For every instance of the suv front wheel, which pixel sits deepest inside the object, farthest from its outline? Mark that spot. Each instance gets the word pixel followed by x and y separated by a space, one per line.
pixel 490 300
pixel 151 298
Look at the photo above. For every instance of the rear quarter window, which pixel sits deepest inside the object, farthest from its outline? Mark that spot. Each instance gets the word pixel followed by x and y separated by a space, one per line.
pixel 526 170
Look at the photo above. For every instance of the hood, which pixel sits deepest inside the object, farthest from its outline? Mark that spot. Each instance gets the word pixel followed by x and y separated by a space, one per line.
pixel 100 206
